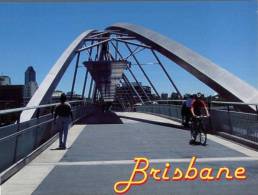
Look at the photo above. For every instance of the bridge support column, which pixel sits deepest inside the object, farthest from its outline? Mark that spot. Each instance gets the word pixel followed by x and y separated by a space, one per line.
pixel 75 74
pixel 91 82
pixel 85 83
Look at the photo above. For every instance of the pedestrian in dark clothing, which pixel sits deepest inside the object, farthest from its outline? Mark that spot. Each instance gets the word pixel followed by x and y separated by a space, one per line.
pixel 64 113
pixel 186 111
pixel 188 114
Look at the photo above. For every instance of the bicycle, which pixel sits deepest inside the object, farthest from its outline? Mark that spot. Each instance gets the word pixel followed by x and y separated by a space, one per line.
pixel 198 133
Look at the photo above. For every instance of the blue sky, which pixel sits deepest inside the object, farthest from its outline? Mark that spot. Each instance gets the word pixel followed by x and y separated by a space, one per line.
pixel 225 32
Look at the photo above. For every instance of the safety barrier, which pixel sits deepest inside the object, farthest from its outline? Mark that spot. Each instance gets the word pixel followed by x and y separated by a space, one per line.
pixel 20 139
pixel 225 116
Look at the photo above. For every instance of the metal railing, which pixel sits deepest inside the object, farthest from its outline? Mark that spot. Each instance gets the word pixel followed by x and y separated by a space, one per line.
pixel 20 139
pixel 226 117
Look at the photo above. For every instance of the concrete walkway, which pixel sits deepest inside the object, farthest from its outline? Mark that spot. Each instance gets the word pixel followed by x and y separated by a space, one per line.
pixel 28 178
pixel 100 155
pixel 150 118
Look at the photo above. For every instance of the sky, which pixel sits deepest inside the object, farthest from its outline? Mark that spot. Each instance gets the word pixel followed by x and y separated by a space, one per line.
pixel 223 31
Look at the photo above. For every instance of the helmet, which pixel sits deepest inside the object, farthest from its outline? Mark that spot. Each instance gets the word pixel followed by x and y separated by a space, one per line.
pixel 198 95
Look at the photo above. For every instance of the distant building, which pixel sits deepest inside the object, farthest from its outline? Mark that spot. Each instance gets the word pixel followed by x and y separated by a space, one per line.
pixel 125 95
pixel 186 96
pixel 75 96
pixel 30 83
pixel 5 80
pixel 164 96
pixel 175 96
pixel 69 93
pixel 11 96
pixel 125 90
pixel 30 75
pixel 29 89
pixel 57 94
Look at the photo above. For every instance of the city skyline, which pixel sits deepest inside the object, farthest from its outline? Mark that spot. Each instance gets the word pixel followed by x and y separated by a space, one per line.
pixel 234 48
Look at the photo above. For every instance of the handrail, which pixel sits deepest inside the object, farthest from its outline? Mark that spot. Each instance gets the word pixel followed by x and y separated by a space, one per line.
pixel 234 103
pixel 167 101
pixel 24 130
pixel 213 102
pixel 8 111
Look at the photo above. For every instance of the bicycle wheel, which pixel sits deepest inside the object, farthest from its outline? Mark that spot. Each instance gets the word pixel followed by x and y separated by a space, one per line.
pixel 202 138
pixel 193 133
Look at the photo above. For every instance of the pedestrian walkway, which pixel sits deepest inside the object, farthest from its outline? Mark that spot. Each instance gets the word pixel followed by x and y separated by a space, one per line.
pixel 100 155
pixel 155 119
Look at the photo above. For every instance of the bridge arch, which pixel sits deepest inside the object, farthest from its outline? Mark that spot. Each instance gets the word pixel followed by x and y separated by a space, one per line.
pixel 220 80
pixel 217 78
pixel 48 85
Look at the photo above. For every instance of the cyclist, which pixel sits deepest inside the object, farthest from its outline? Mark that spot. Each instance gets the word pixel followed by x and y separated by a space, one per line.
pixel 198 105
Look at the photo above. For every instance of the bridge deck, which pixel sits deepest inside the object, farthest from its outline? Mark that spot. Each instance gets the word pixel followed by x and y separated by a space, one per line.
pixel 155 119
pixel 100 155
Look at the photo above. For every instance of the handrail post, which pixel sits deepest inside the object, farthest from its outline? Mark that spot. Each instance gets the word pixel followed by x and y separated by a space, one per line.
pixel 75 74
pixel 229 119
pixel 52 110
pixel 38 113
pixel 210 118
pixel 16 139
pixel 209 104
pixel 36 131
pixel 256 111
pixel 52 130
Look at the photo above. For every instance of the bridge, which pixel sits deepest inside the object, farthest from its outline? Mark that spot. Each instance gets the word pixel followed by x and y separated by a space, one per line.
pixel 112 126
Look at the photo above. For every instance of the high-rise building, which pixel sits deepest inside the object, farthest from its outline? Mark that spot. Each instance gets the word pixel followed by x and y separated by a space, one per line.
pixel 30 75
pixel 30 83
pixel 5 80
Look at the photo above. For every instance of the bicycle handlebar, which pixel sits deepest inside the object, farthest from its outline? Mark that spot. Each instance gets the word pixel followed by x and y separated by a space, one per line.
pixel 202 116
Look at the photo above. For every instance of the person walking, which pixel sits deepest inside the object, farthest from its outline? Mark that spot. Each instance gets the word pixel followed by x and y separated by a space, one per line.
pixel 64 113
pixel 188 113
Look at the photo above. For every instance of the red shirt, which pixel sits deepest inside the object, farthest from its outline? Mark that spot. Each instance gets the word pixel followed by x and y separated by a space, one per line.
pixel 197 106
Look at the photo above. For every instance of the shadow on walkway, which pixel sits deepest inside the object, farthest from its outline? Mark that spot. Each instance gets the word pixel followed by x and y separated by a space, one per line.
pixel 100 117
